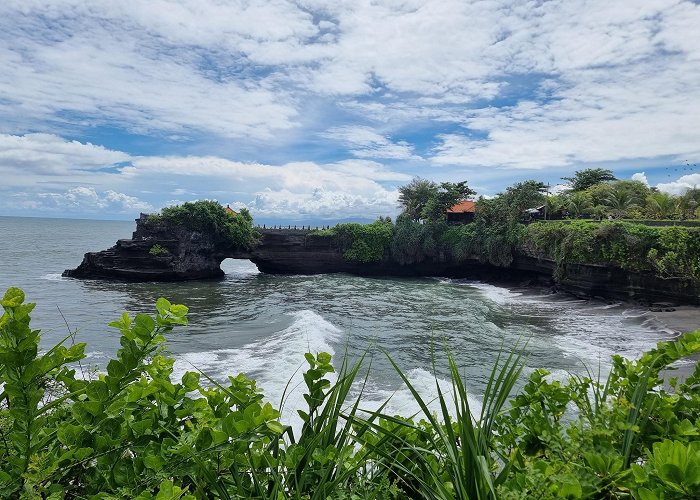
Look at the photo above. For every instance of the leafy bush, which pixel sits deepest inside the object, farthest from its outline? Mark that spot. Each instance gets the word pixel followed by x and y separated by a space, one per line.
pixel 360 242
pixel 133 432
pixel 672 251
pixel 158 250
pixel 413 242
pixel 210 217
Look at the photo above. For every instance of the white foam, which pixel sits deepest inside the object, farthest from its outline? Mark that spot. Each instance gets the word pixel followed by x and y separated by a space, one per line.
pixel 276 362
pixel 496 294
pixel 53 277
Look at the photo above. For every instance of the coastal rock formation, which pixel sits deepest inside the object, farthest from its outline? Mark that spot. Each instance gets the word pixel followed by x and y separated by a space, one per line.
pixel 181 254
pixel 610 282
pixel 190 255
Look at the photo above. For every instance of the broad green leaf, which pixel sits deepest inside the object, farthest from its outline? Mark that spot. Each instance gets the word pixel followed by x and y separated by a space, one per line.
pixel 97 390
pixel 13 298
pixel 275 427
pixel 190 380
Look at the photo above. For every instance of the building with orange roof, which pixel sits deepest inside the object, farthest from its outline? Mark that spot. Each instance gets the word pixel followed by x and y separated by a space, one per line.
pixel 461 213
pixel 230 211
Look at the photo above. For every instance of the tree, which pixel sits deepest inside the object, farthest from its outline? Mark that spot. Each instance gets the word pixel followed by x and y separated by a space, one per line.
pixel 415 195
pixel 621 201
pixel 583 179
pixel 524 195
pixel 424 199
pixel 662 205
pixel 579 203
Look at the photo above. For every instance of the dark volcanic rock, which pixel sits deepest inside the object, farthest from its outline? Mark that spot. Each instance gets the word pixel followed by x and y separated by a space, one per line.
pixel 591 280
pixel 191 255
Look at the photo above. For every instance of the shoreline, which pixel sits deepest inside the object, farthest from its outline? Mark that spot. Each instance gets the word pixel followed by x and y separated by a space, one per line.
pixel 673 319
pixel 679 319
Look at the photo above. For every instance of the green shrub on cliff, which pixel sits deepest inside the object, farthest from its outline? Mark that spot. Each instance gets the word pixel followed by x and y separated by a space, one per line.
pixel 135 432
pixel 665 251
pixel 360 242
pixel 210 217
pixel 413 242
pixel 158 250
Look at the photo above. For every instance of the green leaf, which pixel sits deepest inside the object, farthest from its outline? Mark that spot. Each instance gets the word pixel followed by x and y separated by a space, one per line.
pixel 569 487
pixel 123 472
pixel 179 310
pixel 116 369
pixel 163 306
pixel 97 390
pixel 190 380
pixel 153 461
pixel 204 439
pixel 646 494
pixel 275 427
pixel 13 298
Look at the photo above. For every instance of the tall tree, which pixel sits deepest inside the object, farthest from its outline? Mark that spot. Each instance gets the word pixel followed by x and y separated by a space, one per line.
pixel 620 201
pixel 415 195
pixel 523 195
pixel 583 179
pixel 579 203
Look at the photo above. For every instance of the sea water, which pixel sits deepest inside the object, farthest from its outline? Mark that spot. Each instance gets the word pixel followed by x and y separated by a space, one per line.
pixel 262 325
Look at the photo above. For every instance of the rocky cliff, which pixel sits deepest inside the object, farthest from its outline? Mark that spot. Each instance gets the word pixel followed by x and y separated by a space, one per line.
pixel 194 255
pixel 185 255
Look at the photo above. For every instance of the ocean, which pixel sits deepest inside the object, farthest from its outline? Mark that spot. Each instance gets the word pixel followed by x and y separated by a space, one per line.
pixel 262 325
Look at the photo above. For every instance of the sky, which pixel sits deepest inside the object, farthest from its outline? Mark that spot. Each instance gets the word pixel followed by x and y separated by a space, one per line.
pixel 318 110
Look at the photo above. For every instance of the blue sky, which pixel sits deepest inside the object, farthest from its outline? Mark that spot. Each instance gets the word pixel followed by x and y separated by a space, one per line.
pixel 312 110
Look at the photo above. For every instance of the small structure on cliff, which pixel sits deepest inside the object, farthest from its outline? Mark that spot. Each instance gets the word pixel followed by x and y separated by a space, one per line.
pixel 461 213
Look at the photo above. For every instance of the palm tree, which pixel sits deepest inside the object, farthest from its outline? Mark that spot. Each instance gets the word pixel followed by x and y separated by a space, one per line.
pixel 620 202
pixel 662 205
pixel 579 203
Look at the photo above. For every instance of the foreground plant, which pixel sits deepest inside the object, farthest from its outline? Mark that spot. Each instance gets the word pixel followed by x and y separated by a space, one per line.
pixel 133 432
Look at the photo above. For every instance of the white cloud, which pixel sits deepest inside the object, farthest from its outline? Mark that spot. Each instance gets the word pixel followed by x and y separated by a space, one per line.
pixel 99 179
pixel 50 155
pixel 681 185
pixel 323 203
pixel 364 142
pixel 493 86
pixel 76 200
pixel 291 190
pixel 640 177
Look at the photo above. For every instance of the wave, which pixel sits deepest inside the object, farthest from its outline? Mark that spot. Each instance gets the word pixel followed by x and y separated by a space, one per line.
pixel 277 364
pixel 496 294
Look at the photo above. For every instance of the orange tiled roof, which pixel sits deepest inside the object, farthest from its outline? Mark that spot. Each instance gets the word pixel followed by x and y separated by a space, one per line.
pixel 462 206
pixel 230 210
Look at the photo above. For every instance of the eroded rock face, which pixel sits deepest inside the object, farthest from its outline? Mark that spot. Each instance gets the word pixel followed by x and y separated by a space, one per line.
pixel 190 255
pixel 193 255
pixel 610 282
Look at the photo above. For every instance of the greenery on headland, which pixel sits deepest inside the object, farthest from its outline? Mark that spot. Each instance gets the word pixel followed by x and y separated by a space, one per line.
pixel 135 432
pixel 498 232
pixel 210 217
pixel 669 252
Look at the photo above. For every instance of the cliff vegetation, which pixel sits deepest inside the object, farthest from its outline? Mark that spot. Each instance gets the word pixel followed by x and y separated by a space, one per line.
pixel 502 229
pixel 210 217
